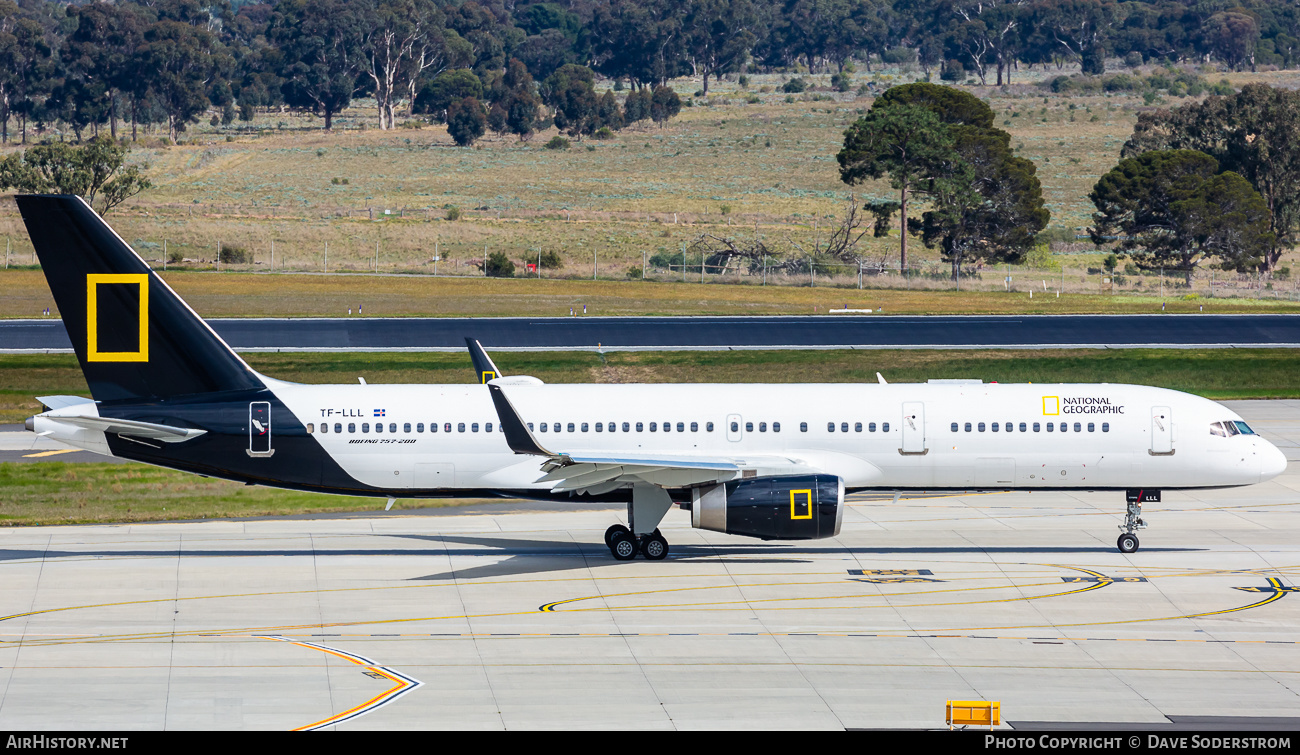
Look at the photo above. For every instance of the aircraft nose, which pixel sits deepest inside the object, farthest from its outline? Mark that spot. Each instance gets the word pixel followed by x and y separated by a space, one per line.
pixel 1272 462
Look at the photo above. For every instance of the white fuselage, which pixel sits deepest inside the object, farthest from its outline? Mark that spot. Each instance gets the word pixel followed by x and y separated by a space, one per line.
pixel 884 436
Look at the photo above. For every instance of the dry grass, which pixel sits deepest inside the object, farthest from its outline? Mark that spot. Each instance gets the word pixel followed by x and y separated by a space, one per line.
pixel 769 164
pixel 247 295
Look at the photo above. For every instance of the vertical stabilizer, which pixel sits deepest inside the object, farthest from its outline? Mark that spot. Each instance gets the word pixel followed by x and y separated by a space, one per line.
pixel 135 338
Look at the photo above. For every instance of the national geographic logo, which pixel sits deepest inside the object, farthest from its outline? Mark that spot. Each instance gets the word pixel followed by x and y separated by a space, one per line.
pixel 117 317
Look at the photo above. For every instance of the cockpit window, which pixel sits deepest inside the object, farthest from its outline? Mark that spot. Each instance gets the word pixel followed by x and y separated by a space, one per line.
pixel 1242 427
pixel 1216 428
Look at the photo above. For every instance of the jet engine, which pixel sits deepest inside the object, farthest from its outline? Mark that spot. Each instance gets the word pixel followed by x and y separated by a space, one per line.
pixel 783 507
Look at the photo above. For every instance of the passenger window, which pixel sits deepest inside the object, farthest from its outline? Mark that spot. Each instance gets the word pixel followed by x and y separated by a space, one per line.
pixel 1023 427
pixel 311 428
pixel 613 426
pixel 352 427
pixel 460 427
pixel 776 427
pixel 392 427
pixel 1036 427
pixel 830 427
pixel 570 427
pixel 735 427
pixel 1008 428
pixel 555 428
pixel 995 427
pixel 884 427
pixel 1105 427
pixel 857 427
pixel 844 427
pixel 762 427
pixel 419 426
pixel 668 427
pixel 1091 427
pixel 600 427
pixel 708 427
pixel 473 427
pixel 1065 427
pixel 542 427
pixel 365 427
pixel 654 426
pixel 488 427
pixel 681 427
pixel 981 427
pixel 627 428
pixel 695 427
pixel 803 427
pixel 338 427
pixel 967 427
pixel 584 427
pixel 1078 427
pixel 1050 427
pixel 446 427
pixel 406 427
pixel 639 427
pixel 871 427
pixel 379 427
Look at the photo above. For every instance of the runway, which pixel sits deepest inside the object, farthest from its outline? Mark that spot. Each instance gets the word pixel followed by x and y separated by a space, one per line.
pixel 504 620
pixel 712 333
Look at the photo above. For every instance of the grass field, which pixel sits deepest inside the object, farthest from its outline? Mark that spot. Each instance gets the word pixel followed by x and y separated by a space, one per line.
pixel 1214 373
pixel 726 166
pixel 61 493
pixel 26 294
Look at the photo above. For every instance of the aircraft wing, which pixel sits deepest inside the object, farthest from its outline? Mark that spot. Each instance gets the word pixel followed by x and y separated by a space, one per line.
pixel 596 473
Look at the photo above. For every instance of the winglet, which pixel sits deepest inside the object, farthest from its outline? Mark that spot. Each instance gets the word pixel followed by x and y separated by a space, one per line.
pixel 484 368
pixel 518 437
pixel 881 378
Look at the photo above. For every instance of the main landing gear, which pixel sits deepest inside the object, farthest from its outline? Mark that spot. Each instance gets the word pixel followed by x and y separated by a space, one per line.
pixel 624 545
pixel 645 511
pixel 1128 541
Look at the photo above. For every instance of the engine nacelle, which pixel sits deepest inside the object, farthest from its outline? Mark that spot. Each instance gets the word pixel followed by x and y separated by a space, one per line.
pixel 784 507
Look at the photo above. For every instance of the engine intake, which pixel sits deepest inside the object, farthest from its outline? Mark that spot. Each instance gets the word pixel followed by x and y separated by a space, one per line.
pixel 785 507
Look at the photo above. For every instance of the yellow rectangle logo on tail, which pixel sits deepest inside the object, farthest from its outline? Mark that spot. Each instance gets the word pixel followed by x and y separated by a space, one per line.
pixel 124 326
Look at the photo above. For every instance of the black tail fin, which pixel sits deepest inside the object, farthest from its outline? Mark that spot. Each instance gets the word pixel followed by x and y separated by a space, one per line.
pixel 135 338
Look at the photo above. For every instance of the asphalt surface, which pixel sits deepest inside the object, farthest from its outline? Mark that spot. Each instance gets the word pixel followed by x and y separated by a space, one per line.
pixel 518 618
pixel 678 333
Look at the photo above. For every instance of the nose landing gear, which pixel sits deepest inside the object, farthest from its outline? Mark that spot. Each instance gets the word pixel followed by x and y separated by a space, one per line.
pixel 1128 541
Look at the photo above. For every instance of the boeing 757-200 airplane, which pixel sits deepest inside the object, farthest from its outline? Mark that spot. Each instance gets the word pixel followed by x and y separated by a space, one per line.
pixel 766 461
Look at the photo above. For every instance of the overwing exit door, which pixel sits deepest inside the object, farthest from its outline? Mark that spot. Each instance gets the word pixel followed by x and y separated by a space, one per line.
pixel 259 429
pixel 913 427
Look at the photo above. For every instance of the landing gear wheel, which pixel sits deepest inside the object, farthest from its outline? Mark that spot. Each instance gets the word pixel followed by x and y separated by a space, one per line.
pixel 1127 543
pixel 654 547
pixel 613 530
pixel 624 546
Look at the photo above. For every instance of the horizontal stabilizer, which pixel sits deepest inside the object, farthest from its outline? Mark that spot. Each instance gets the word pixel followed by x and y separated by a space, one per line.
pixel 58 402
pixel 133 428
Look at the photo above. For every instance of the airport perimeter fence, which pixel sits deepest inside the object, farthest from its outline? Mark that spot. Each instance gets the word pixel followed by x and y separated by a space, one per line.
pixel 1065 278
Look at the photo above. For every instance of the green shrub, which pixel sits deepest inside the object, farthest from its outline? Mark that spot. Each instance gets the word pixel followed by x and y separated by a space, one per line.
pixel 499 266
pixel 175 257
pixel 551 260
pixel 235 255
pixel 603 133
pixel 557 142
pixel 795 85
pixel 453 213
pixel 634 273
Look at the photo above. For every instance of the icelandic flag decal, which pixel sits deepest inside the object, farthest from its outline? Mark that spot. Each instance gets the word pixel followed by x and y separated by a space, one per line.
pixel 379 412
